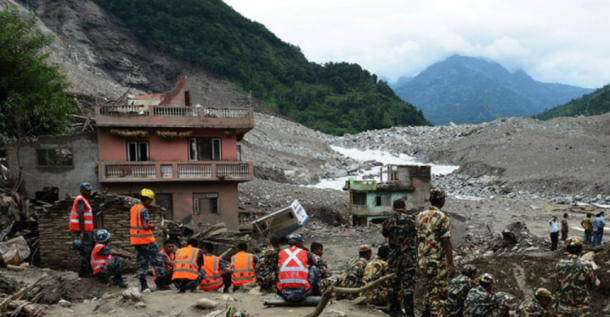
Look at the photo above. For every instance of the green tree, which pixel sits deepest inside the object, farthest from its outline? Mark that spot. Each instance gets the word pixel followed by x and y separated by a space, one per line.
pixel 32 97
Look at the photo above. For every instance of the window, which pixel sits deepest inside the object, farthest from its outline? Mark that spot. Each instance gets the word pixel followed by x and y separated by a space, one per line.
pixel 359 199
pixel 54 157
pixel 383 200
pixel 205 149
pixel 205 203
pixel 137 151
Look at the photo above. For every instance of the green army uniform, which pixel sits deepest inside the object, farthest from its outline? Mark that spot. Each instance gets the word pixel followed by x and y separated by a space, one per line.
pixel 432 226
pixel 352 278
pixel 575 281
pixel 375 270
pixel 479 303
pixel 266 269
pixel 458 290
pixel 320 263
pixel 399 228
pixel 533 307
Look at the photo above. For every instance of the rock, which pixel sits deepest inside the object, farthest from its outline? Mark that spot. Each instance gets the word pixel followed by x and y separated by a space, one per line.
pixel 131 293
pixel 453 125
pixel 341 173
pixel 227 298
pixel 140 305
pixel 588 257
pixel 256 291
pixel 338 313
pixel 205 303
pixel 147 291
pixel 64 303
pixel 214 313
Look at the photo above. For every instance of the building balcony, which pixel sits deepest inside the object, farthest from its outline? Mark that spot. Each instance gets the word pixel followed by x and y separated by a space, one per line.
pixel 174 116
pixel 126 172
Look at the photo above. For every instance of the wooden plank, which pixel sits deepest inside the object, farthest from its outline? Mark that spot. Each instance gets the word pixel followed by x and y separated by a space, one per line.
pixel 310 301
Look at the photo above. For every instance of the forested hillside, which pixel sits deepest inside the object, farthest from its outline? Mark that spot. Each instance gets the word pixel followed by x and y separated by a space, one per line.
pixel 595 103
pixel 335 98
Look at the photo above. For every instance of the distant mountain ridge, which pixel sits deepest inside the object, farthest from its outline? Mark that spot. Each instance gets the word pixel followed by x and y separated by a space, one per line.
pixel 595 103
pixel 464 89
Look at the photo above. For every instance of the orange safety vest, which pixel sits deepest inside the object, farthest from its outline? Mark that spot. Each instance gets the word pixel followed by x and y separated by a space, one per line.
pixel 88 215
pixel 213 276
pixel 186 264
pixel 293 269
pixel 242 265
pixel 137 233
pixel 98 261
pixel 168 268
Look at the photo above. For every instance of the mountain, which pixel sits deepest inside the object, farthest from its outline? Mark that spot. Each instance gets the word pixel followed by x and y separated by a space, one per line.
pixel 595 103
pixel 472 90
pixel 334 98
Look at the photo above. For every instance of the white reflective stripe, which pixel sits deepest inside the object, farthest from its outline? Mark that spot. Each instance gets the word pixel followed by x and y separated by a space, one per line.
pixel 294 269
pixel 87 222
pixel 293 280
pixel 291 257
pixel 99 261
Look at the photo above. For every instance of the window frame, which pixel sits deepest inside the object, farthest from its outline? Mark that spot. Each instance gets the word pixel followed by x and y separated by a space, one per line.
pixel 138 144
pixel 196 208
pixel 193 153
pixel 61 165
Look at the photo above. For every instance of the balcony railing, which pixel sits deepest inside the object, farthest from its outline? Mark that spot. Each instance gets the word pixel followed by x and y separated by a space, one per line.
pixel 174 171
pixel 174 116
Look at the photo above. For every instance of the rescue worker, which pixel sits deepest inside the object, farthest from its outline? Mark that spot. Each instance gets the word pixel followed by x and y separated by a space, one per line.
pixel 352 278
pixel 106 262
pixel 141 236
pixel 317 250
pixel 575 279
pixel 375 270
pixel 399 228
pixel 266 268
pixel 217 271
pixel 537 306
pixel 81 223
pixel 188 267
pixel 298 277
pixel 242 266
pixel 435 253
pixel 458 290
pixel 482 302
pixel 168 252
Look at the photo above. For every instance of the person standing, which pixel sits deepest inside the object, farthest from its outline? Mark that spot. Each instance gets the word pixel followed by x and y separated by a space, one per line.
pixel 266 268
pixel 564 228
pixel 242 266
pixel 189 267
pixel 587 224
pixel 106 261
pixel 458 290
pixel 576 279
pixel 435 253
pixel 400 230
pixel 554 233
pixel 141 236
pixel 598 229
pixel 298 277
pixel 537 306
pixel 483 302
pixel 81 223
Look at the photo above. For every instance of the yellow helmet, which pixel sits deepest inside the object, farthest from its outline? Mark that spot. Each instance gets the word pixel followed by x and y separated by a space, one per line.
pixel 147 193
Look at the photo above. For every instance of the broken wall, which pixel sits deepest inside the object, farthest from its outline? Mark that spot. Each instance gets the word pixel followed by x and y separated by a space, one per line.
pixel 111 213
pixel 58 169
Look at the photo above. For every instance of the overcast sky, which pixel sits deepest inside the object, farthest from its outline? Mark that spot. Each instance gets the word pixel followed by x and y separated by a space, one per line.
pixel 563 41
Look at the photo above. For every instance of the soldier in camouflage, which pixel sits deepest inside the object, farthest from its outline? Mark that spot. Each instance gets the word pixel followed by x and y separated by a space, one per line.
pixel 375 270
pixel 458 290
pixel 537 306
pixel 352 278
pixel 575 279
pixel 317 250
pixel 266 269
pixel 435 253
pixel 482 302
pixel 400 230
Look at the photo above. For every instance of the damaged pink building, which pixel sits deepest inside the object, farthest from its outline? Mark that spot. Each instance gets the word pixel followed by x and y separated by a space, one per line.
pixel 188 155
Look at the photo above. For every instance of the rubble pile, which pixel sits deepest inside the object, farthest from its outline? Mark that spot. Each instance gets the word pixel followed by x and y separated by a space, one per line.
pixel 517 238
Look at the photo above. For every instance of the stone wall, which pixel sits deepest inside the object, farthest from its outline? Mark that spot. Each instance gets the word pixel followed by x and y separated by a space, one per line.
pixel 66 178
pixel 111 213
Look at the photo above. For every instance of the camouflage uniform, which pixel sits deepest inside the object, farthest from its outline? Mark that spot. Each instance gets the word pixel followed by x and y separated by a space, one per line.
pixel 479 303
pixel 352 278
pixel 323 268
pixel 375 270
pixel 432 226
pixel 112 268
pixel 457 291
pixel 266 269
pixel 149 253
pixel 399 228
pixel 532 308
pixel 575 280
pixel 85 252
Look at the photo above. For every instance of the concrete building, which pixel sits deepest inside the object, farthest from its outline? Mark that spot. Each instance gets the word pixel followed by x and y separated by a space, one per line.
pixel 187 155
pixel 370 201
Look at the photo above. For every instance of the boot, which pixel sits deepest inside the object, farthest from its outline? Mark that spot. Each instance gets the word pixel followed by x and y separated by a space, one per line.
pixel 161 284
pixel 118 280
pixel 408 304
pixel 143 284
pixel 425 314
pixel 395 310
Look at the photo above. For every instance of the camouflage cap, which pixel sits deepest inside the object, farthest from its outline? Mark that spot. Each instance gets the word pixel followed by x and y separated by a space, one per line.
pixel 469 269
pixel 543 293
pixel 487 278
pixel 436 193
pixel 365 248
pixel 574 241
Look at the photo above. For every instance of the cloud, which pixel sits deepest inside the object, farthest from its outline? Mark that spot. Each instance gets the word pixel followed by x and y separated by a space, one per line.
pixel 553 40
